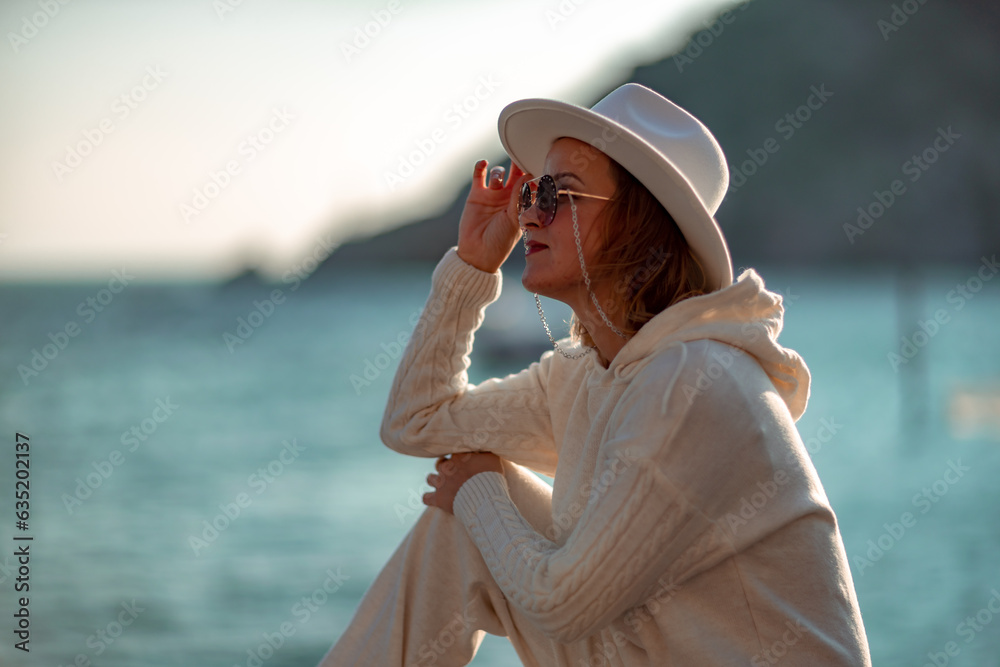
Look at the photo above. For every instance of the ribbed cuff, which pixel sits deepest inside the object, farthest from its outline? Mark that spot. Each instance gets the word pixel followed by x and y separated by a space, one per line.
pixel 478 490
pixel 454 276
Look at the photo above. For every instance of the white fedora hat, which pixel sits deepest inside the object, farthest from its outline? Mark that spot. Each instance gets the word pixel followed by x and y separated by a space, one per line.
pixel 667 149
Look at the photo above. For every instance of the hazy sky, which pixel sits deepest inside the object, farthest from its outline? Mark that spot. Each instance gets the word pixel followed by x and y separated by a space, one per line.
pixel 186 138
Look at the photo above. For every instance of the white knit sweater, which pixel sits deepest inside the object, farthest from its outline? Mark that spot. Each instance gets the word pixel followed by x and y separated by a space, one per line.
pixel 689 525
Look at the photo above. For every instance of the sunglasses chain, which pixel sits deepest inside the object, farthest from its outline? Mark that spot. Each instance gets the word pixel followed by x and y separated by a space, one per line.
pixel 586 280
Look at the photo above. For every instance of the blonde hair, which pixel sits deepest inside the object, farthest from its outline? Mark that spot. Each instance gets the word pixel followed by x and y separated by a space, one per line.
pixel 644 255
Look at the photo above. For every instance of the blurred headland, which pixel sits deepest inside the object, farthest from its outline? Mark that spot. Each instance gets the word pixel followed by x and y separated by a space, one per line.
pixel 857 133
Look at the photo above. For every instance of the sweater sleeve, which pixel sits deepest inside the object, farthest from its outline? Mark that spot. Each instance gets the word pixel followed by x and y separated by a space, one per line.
pixel 433 410
pixel 672 466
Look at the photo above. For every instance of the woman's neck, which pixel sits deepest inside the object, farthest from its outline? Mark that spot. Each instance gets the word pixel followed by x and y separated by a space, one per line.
pixel 607 341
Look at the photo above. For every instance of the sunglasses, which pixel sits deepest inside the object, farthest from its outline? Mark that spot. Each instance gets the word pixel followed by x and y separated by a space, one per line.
pixel 546 197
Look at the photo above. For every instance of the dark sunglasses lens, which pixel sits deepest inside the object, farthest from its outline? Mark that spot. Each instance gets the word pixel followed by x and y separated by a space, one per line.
pixel 525 202
pixel 545 200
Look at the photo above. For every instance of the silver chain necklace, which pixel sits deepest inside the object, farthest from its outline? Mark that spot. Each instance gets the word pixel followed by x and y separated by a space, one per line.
pixel 586 280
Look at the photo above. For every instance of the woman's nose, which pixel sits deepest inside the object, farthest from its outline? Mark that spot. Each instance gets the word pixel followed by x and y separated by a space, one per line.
pixel 529 217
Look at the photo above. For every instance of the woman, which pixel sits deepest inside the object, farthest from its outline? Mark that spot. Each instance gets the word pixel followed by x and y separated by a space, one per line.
pixel 686 524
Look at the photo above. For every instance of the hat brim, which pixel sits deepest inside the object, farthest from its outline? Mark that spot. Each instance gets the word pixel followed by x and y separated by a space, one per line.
pixel 528 128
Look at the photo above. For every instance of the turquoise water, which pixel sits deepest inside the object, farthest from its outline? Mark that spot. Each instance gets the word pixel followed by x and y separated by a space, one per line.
pixel 276 430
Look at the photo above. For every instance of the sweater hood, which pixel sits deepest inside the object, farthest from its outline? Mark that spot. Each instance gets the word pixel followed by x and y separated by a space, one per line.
pixel 745 315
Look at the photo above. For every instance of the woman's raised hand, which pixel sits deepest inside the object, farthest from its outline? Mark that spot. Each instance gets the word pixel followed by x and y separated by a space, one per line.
pixel 488 230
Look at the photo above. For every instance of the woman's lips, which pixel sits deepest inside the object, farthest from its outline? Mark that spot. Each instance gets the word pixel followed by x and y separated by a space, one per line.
pixel 532 247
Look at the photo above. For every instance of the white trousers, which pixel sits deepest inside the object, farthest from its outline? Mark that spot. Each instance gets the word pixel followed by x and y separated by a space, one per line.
pixel 435 599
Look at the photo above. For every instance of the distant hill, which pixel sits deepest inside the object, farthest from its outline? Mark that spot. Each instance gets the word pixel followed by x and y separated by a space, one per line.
pixel 895 84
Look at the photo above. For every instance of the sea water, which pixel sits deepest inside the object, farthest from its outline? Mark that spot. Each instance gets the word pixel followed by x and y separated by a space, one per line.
pixel 205 493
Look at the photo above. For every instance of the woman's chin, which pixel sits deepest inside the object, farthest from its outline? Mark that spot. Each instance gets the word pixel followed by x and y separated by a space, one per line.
pixel 533 282
pixel 551 281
